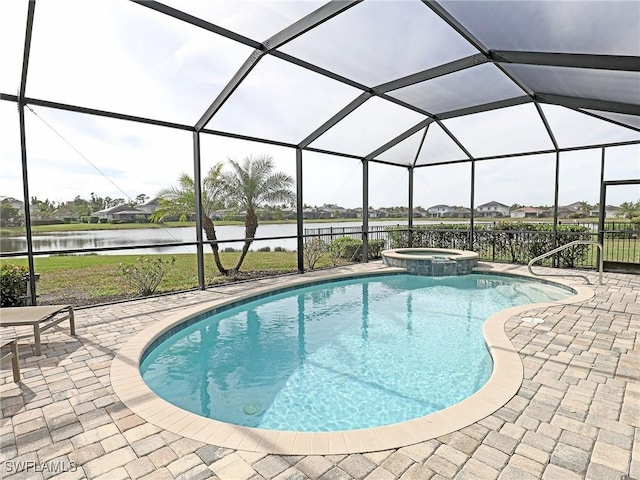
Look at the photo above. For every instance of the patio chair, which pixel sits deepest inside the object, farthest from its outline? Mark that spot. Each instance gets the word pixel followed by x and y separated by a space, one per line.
pixel 13 353
pixel 40 318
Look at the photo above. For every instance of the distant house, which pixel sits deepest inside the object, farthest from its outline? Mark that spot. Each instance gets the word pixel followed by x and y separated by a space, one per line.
pixel 563 212
pixel 526 212
pixel 150 206
pixel 610 211
pixel 439 211
pixel 493 209
pixel 460 212
pixel 420 212
pixel 124 213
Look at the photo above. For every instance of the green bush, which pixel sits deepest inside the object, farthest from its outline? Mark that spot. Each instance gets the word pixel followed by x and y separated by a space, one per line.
pixel 345 248
pixel 443 235
pixel 264 249
pixel 350 249
pixel 13 285
pixel 513 242
pixel 279 249
pixel 93 219
pixel 146 274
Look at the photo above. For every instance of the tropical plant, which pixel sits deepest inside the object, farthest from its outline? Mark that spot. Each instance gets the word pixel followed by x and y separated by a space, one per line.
pixel 584 208
pixel 250 185
pixel 180 201
pixel 629 210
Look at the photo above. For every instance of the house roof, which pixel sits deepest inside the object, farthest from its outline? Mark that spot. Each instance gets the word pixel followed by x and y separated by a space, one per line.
pixel 493 204
pixel 529 210
pixel 120 209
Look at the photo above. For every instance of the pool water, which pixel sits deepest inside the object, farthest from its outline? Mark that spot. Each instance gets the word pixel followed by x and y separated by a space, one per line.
pixel 343 355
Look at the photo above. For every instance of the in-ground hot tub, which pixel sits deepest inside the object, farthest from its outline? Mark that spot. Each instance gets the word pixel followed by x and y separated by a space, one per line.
pixel 433 262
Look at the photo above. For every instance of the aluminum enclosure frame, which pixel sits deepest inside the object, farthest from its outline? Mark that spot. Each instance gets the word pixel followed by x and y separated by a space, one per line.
pixel 498 58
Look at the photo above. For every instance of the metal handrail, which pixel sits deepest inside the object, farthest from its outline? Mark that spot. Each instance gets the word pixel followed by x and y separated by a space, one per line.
pixel 562 247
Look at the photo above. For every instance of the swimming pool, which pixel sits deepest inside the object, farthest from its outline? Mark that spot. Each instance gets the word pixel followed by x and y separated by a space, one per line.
pixel 344 355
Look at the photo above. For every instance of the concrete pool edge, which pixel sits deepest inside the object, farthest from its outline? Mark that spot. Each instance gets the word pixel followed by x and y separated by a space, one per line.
pixel 504 383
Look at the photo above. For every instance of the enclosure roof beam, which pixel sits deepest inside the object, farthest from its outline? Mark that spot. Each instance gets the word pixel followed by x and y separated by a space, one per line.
pixel 485 107
pixel 229 88
pixel 589 103
pixel 430 73
pixel 335 119
pixel 605 119
pixel 537 152
pixel 93 111
pixel 198 22
pixel 572 60
pixel 457 26
pixel 403 136
pixel 315 18
pixel 27 49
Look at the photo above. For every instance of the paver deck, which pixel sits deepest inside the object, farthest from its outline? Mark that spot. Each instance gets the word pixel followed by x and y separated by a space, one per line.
pixel 575 416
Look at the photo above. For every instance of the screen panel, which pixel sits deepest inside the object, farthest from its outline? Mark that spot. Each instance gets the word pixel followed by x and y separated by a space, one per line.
pixel 439 147
pixel 257 20
pixel 87 169
pixel 465 88
pixel 374 42
pixel 524 181
pixel 13 24
pixel 508 130
pixel 595 27
pixel 280 101
pixel 121 66
pixel 572 129
pixel 606 85
pixel 368 127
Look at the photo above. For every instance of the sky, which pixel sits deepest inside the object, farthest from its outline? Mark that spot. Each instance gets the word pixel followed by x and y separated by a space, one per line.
pixel 119 56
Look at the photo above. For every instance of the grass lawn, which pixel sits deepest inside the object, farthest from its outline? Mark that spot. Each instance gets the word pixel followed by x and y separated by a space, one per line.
pixel 87 279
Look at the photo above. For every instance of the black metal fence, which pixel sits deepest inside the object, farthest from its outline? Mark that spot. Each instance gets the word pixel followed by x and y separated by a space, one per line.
pixel 494 243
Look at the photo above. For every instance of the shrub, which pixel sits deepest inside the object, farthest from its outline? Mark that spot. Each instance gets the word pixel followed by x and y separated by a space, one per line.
pixel 13 285
pixel 146 274
pixel 93 219
pixel 313 251
pixel 345 248
pixel 230 250
pixel 375 248
pixel 264 249
pixel 279 249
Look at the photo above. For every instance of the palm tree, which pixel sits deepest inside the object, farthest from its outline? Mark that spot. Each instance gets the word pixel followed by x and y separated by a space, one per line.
pixel 629 210
pixel 584 208
pixel 180 201
pixel 252 184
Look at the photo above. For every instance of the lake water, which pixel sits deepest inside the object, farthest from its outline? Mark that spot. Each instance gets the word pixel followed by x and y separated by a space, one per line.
pixel 58 241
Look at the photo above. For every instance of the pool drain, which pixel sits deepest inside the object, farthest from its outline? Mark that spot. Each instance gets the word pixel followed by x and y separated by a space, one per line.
pixel 252 408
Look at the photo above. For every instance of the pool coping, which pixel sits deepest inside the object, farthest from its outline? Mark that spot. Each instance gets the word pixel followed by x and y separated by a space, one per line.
pixel 503 384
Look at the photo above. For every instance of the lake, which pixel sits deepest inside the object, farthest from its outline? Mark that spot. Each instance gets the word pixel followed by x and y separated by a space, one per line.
pixel 58 241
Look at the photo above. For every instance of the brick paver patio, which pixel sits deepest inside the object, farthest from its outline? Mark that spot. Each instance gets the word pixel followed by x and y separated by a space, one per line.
pixel 576 415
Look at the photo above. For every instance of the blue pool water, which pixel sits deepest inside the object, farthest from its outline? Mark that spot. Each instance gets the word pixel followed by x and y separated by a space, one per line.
pixel 338 356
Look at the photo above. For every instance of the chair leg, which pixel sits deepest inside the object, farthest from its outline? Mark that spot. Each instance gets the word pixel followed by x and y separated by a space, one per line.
pixel 36 334
pixel 14 361
pixel 72 321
